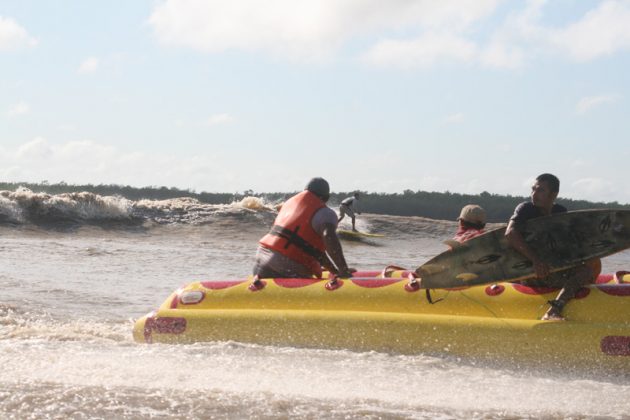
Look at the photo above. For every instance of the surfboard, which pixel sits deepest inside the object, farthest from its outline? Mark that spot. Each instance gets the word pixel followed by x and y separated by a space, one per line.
pixel 562 240
pixel 357 234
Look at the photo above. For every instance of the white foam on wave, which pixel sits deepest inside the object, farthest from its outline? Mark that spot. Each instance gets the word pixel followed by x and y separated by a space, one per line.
pixel 171 204
pixel 91 206
pixel 188 210
pixel 23 203
pixel 254 203
pixel 21 325
pixel 11 210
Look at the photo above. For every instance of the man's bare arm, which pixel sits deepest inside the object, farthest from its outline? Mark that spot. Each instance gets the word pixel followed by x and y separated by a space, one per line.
pixel 516 241
pixel 333 248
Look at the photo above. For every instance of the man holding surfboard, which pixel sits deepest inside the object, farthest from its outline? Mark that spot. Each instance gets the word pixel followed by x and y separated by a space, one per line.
pixel 544 193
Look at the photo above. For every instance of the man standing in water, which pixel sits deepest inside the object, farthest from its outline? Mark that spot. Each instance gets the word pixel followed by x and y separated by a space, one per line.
pixel 349 206
pixel 544 193
pixel 303 238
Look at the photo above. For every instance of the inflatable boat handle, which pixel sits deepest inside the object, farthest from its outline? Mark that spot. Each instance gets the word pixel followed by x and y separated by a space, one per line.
pixel 387 271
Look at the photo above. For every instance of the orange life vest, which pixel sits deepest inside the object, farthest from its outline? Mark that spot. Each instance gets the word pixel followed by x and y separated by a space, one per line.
pixel 292 234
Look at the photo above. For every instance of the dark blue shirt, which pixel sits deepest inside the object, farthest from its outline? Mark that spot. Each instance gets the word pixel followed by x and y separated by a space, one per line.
pixel 527 210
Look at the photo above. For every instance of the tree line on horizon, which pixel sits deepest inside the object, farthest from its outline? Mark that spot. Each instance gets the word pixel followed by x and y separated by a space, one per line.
pixel 434 205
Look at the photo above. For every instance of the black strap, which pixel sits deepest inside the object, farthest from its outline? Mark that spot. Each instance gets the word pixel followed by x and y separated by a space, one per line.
pixel 431 301
pixel 293 238
pixel 557 304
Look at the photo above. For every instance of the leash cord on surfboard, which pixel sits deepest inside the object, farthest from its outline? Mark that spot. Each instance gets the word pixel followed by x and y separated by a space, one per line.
pixel 483 306
pixel 433 302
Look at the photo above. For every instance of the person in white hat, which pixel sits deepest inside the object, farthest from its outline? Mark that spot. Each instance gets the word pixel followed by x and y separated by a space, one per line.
pixel 472 221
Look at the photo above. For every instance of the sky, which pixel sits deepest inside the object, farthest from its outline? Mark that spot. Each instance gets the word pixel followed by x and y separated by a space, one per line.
pixel 463 96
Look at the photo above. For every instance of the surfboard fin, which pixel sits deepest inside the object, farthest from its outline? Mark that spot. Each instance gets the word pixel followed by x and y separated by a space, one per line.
pixel 466 277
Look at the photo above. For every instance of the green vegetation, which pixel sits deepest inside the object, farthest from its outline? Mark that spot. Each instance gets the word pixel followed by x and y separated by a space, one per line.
pixel 447 205
pixel 435 205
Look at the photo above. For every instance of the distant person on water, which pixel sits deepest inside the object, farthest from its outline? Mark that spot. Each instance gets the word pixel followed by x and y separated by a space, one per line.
pixel 303 238
pixel 472 221
pixel 349 206
pixel 544 193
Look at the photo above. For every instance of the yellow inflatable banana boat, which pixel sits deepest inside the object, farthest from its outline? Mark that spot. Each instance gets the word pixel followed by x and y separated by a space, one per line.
pixel 372 312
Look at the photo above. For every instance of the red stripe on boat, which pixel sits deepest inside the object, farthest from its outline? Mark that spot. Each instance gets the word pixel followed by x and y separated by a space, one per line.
pixel 533 290
pixel 295 283
pixel 175 301
pixel 604 278
pixel 376 282
pixel 165 325
pixel 367 274
pixel 615 345
pixel 615 289
pixel 216 285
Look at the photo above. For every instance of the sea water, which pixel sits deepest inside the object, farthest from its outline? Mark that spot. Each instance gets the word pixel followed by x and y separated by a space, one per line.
pixel 77 270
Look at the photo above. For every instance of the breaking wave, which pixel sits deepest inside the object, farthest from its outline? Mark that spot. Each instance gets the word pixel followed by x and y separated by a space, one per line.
pixel 23 206
pixel 74 210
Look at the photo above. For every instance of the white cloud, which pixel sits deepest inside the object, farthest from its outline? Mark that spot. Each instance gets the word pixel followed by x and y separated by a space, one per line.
pixel 406 34
pixel 602 31
pixel 432 183
pixel 37 148
pixel 302 29
pixel 89 65
pixel 588 103
pixel 457 118
pixel 421 52
pixel 598 188
pixel 81 162
pixel 502 55
pixel 66 127
pixel 13 36
pixel 18 109
pixel 471 186
pixel 218 119
pixel 579 163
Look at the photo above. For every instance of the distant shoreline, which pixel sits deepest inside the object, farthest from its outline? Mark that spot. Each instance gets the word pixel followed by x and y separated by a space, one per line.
pixel 434 205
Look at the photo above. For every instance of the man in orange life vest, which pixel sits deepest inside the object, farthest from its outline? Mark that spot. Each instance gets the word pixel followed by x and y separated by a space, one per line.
pixel 303 238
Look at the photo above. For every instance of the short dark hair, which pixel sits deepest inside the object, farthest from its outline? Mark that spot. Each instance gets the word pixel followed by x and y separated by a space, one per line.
pixel 551 180
pixel 319 187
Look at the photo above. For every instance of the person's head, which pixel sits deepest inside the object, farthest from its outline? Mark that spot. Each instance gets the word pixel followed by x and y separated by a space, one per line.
pixel 472 216
pixel 356 195
pixel 319 187
pixel 545 191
